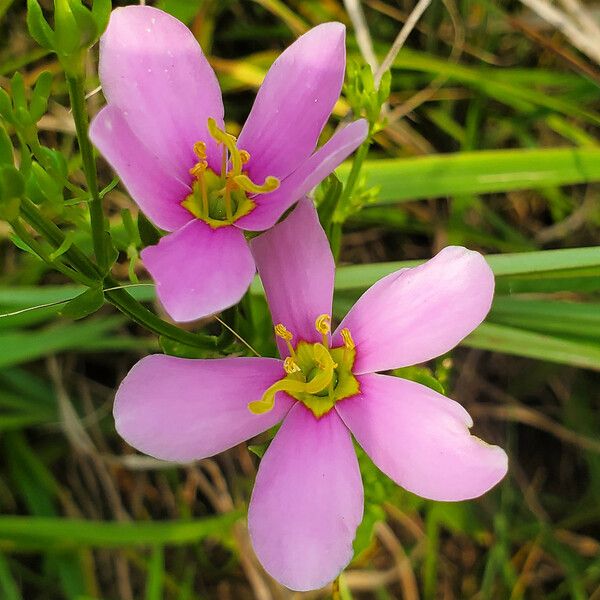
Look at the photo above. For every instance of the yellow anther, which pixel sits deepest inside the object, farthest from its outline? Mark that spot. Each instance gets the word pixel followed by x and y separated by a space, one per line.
pixel 270 184
pixel 347 337
pixel 290 366
pixel 244 156
pixel 323 324
pixel 198 169
pixel 200 150
pixel 282 332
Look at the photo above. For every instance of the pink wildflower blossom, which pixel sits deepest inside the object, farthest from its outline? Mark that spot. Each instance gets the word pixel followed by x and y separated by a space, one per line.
pixel 163 133
pixel 308 497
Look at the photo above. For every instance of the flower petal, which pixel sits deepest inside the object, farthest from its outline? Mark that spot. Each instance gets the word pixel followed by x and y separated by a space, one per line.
pixel 199 270
pixel 157 193
pixel 421 440
pixel 307 501
pixel 153 69
pixel 294 102
pixel 183 409
pixel 416 314
pixel 297 269
pixel 269 207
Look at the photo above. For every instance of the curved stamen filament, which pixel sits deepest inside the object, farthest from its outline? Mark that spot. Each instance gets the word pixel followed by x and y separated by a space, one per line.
pixel 270 184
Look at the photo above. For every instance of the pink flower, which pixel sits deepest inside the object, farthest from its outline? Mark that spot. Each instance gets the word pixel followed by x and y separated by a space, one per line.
pixel 163 133
pixel 308 497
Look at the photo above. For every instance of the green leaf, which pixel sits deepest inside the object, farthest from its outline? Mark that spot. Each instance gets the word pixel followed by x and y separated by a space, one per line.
pixel 83 305
pixel 500 338
pixel 66 28
pixel 176 348
pixel 38 27
pixel 563 318
pixel 101 12
pixel 8 586
pixel 17 347
pixel 11 182
pixel 156 575
pixel 44 533
pixel 86 23
pixel 39 98
pixel 421 375
pixel 6 148
pixel 6 110
pixel 149 234
pixel 483 172
pixel 545 263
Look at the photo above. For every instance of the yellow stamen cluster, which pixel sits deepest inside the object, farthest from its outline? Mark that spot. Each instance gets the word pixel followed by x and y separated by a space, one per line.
pixel 228 192
pixel 315 374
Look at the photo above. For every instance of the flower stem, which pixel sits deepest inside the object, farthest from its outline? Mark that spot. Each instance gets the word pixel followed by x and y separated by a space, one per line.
pixel 336 226
pixel 75 85
pixel 119 297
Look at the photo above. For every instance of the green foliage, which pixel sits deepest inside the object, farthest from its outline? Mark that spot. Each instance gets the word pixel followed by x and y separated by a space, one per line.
pixel 76 28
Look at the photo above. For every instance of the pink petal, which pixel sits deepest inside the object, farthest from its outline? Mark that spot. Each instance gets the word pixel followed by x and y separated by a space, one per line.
pixel 294 102
pixel 297 269
pixel 307 501
pixel 421 439
pixel 155 190
pixel 199 270
pixel 181 409
pixel 153 69
pixel 414 315
pixel 269 207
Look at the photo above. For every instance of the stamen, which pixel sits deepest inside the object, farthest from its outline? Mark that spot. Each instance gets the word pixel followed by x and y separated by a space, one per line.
pixel 244 156
pixel 347 337
pixel 198 170
pixel 318 383
pixel 284 334
pixel 323 326
pixel 270 184
pixel 290 366
pixel 200 150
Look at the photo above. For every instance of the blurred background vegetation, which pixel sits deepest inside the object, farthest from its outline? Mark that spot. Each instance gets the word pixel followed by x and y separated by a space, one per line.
pixel 490 141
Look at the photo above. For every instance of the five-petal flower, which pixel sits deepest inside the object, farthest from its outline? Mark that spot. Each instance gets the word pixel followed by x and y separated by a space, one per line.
pixel 308 497
pixel 163 133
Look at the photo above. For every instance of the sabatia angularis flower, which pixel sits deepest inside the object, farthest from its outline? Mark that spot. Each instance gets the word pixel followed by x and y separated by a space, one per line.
pixel 308 497
pixel 163 133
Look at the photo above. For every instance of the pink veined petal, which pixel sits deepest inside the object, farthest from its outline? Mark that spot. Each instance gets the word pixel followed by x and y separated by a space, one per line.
pixel 294 102
pixel 269 207
pixel 183 409
pixel 153 69
pixel 155 190
pixel 421 439
pixel 199 270
pixel 416 314
pixel 296 267
pixel 307 501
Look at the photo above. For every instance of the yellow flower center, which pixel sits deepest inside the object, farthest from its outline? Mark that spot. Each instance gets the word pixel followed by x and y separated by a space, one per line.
pixel 315 374
pixel 220 200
